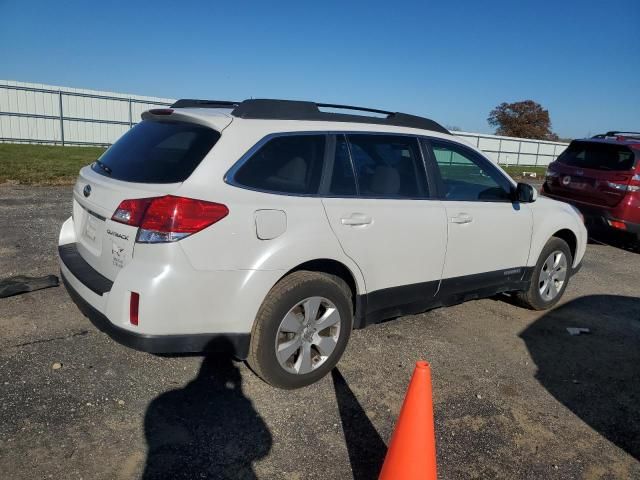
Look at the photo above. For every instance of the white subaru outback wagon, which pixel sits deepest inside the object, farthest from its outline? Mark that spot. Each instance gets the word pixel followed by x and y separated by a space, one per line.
pixel 272 228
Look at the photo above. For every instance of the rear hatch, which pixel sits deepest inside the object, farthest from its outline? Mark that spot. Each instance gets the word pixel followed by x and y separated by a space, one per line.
pixel 150 160
pixel 592 172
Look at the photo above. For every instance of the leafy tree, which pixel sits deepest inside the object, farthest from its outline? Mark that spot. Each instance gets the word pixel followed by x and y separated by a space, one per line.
pixel 526 119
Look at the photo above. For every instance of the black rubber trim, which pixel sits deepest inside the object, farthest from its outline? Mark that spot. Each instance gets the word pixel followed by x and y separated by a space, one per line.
pixel 97 215
pixel 84 272
pixel 576 269
pixel 273 109
pixel 393 302
pixel 236 344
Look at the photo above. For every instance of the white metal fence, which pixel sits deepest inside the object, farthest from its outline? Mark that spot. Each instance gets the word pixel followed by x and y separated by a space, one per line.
pixel 36 113
pixel 515 151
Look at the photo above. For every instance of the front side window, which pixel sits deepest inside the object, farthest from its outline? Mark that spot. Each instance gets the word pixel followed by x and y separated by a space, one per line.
pixel 290 164
pixel 388 166
pixel 468 177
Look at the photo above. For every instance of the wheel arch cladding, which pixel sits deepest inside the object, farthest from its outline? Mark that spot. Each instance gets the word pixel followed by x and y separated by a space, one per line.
pixel 569 237
pixel 332 267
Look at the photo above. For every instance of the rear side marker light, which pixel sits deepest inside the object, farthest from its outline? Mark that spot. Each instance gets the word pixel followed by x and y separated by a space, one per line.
pixel 134 304
pixel 168 218
pixel 617 224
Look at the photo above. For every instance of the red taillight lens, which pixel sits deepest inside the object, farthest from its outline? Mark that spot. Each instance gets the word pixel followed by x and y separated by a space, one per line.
pixel 168 218
pixel 134 304
pixel 617 224
pixel 130 212
pixel 182 215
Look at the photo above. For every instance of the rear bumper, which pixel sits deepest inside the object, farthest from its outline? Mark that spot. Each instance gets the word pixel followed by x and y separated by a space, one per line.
pixel 599 216
pixel 236 344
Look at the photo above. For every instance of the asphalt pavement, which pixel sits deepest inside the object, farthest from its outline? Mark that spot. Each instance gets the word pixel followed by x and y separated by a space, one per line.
pixel 515 395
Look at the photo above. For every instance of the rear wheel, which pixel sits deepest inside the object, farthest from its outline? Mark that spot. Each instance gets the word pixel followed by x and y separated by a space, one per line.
pixel 301 329
pixel 550 276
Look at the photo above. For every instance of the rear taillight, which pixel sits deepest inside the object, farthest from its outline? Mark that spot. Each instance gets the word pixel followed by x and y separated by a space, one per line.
pixel 622 187
pixel 617 224
pixel 130 212
pixel 168 218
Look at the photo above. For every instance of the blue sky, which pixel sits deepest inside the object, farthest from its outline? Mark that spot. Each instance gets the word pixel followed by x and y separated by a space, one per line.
pixel 451 60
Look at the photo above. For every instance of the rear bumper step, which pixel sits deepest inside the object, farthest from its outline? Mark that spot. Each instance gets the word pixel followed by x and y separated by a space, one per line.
pixel 236 344
pixel 84 272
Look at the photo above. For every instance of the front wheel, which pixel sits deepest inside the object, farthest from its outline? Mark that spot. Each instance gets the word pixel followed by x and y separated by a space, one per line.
pixel 550 276
pixel 301 329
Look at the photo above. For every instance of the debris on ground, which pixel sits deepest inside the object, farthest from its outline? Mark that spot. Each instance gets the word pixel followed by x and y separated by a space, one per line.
pixel 56 366
pixel 577 330
pixel 22 284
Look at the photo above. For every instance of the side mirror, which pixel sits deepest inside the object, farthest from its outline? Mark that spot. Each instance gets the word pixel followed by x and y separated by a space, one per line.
pixel 525 193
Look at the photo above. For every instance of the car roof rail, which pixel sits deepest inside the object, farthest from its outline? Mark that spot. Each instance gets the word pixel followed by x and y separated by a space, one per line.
pixel 616 133
pixel 270 109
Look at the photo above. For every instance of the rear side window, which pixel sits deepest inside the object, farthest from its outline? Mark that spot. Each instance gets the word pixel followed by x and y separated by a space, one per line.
pixel 598 156
pixel 286 164
pixel 339 173
pixel 388 166
pixel 157 152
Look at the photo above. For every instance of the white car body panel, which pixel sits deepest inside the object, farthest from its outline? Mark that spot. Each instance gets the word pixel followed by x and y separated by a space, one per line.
pixel 393 248
pixel 491 236
pixel 214 281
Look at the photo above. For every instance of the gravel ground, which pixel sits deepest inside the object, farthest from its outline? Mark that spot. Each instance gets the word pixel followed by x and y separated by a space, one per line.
pixel 515 395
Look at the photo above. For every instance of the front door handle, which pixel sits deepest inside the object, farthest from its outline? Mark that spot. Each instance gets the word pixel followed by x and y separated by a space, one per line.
pixel 461 218
pixel 356 219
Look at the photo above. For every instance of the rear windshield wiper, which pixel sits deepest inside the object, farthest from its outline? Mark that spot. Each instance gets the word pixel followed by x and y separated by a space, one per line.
pixel 106 169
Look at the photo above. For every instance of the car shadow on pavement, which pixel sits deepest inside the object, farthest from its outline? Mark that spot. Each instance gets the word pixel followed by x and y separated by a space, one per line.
pixel 208 429
pixel 595 375
pixel 621 240
pixel 365 446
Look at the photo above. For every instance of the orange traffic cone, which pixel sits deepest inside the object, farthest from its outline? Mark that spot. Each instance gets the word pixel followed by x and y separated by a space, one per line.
pixel 412 449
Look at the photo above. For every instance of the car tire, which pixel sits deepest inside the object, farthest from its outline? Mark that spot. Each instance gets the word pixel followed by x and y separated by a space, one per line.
pixel 546 288
pixel 308 314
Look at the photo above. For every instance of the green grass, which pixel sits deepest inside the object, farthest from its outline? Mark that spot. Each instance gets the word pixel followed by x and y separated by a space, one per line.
pixel 44 164
pixel 516 171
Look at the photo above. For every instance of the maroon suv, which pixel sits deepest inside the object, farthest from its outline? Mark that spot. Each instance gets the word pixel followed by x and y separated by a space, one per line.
pixel 601 177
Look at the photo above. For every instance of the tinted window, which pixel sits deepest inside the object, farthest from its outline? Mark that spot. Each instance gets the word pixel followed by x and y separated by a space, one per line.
pixel 599 156
pixel 388 166
pixel 157 152
pixel 286 164
pixel 341 181
pixel 467 176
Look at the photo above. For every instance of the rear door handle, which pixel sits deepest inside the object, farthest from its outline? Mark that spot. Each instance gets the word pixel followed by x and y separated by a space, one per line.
pixel 461 218
pixel 356 219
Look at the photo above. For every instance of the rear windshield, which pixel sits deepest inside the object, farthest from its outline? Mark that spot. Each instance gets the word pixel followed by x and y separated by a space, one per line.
pixel 157 152
pixel 598 156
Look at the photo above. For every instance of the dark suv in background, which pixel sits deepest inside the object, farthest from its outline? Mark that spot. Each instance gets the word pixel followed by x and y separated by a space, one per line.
pixel 601 177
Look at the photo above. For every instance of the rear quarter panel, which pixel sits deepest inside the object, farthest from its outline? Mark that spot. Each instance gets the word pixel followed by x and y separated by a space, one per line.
pixel 232 243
